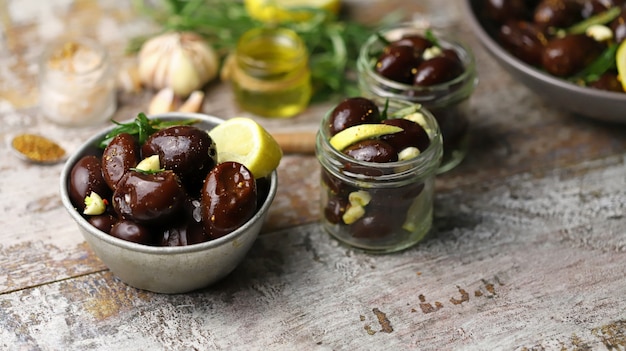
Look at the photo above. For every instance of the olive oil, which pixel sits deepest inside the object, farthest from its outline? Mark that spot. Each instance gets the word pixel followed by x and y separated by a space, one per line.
pixel 270 73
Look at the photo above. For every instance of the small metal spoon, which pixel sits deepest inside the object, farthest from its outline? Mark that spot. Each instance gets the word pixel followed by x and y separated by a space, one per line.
pixel 37 149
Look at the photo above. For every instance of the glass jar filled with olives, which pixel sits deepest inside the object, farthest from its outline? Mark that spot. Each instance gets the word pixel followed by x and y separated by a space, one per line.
pixel 379 160
pixel 270 72
pixel 423 66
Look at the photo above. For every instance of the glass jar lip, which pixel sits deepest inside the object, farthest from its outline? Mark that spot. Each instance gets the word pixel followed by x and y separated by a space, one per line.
pixel 90 43
pixel 365 57
pixel 394 169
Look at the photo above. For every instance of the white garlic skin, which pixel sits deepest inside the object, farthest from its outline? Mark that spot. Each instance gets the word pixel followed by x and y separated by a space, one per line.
pixel 181 61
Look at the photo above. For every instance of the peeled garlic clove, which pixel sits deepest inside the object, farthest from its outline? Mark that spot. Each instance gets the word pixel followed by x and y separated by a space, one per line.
pixel 187 77
pixel 193 102
pixel 162 102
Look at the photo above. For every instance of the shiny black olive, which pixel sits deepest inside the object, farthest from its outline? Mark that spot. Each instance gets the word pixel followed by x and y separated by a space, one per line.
pixel 118 157
pixel 229 198
pixel 412 134
pixel 372 150
pixel 558 13
pixel 398 63
pixel 85 177
pixel 351 112
pixel 131 231
pixel 149 198
pixel 524 40
pixel 568 55
pixel 186 150
pixel 104 222
pixel 501 11
pixel 437 70
pixel 335 209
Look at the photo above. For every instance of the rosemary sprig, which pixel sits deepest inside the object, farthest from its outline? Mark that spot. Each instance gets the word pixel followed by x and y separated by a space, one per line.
pixel 333 44
pixel 142 127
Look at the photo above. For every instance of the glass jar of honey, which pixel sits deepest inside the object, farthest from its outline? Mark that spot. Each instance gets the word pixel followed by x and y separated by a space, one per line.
pixel 270 73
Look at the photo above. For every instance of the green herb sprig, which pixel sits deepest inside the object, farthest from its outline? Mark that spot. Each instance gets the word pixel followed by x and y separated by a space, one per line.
pixel 142 127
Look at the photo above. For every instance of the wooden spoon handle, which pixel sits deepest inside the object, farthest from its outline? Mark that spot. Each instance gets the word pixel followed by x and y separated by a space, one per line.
pixel 296 142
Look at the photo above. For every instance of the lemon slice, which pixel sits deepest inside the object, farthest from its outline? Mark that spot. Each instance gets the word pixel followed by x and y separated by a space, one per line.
pixel 361 132
pixel 287 10
pixel 245 141
pixel 620 60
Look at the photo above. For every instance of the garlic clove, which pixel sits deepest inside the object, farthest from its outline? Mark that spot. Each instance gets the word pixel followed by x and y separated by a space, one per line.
pixel 193 102
pixel 162 102
pixel 186 78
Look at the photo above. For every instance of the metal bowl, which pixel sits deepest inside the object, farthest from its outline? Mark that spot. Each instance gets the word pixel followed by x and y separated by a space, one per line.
pixel 167 269
pixel 589 102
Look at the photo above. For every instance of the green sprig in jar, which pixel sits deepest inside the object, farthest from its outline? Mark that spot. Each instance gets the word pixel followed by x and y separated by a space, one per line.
pixel 379 160
pixel 423 66
pixel 270 73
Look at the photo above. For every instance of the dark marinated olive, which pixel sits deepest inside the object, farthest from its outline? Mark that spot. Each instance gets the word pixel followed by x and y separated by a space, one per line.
pixel 335 208
pixel 412 134
pixel 372 150
pixel 416 41
pixel 608 81
pixel 501 11
pixel 131 231
pixel 186 150
pixel 118 157
pixel 85 177
pixel 376 224
pixel 184 233
pixel 149 198
pixel 336 185
pixel 229 198
pixel 566 56
pixel 437 70
pixel 398 63
pixel 352 111
pixel 104 222
pixel 558 13
pixel 524 40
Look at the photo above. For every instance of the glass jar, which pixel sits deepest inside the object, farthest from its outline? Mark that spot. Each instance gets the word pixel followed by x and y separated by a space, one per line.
pixel 270 73
pixel 76 83
pixel 398 210
pixel 448 101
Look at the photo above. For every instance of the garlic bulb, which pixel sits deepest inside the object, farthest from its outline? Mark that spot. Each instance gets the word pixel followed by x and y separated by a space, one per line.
pixel 182 61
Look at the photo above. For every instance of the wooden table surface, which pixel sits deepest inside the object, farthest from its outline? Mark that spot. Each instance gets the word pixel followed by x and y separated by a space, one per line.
pixel 528 249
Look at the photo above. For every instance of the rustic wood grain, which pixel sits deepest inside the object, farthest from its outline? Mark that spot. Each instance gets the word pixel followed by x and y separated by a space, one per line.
pixel 528 250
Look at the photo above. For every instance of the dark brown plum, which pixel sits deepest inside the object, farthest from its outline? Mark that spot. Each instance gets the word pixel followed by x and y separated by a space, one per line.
pixel 351 112
pixel 565 56
pixel 118 157
pixel 149 198
pixel 186 150
pixel 229 198
pixel 372 150
pixel 412 134
pixel 85 177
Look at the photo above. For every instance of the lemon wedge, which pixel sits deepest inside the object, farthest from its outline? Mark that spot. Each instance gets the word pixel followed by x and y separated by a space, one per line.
pixel 245 141
pixel 361 132
pixel 620 61
pixel 287 10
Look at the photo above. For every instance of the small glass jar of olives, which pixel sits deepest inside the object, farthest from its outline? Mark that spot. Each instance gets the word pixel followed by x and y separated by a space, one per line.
pixel 406 62
pixel 379 159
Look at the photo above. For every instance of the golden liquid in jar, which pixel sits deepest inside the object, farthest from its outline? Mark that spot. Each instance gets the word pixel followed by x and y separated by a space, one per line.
pixel 271 74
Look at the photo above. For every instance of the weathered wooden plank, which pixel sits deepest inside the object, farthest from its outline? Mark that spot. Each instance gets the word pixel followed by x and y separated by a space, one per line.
pixel 530 262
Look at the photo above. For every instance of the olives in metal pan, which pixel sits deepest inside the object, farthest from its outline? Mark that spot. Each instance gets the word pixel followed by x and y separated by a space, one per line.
pixel 186 150
pixel 523 39
pixel 565 56
pixel 504 10
pixel 558 13
pixel 132 231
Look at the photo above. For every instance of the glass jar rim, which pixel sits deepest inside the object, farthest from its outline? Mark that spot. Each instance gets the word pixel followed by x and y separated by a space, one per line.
pixel 364 60
pixel 92 44
pixel 392 171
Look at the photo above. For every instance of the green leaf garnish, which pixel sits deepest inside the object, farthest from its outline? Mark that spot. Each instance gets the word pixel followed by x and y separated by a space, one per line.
pixel 597 68
pixel 142 127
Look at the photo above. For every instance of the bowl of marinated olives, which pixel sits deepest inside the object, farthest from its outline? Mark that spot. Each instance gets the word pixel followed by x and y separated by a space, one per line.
pixel 158 208
pixel 566 51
